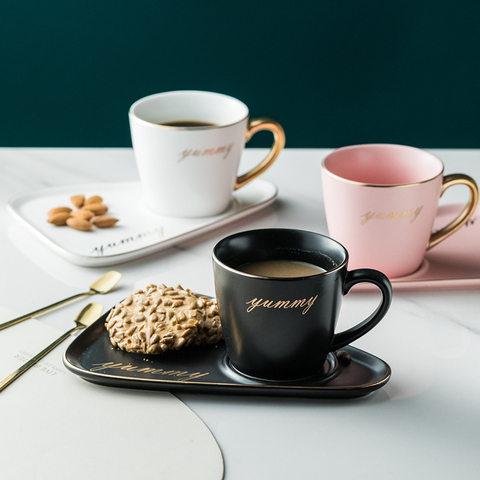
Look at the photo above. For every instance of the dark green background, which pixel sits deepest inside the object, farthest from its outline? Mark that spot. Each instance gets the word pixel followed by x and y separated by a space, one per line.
pixel 332 72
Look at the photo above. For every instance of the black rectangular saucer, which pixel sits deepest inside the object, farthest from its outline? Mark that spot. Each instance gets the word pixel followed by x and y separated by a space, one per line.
pixel 347 373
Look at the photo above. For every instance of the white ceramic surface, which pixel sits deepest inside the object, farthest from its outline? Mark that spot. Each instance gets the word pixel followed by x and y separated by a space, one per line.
pixel 424 423
pixel 138 233
pixel 188 171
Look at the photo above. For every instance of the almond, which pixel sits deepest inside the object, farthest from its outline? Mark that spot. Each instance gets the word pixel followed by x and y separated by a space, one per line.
pixel 79 223
pixel 94 199
pixel 104 221
pixel 96 208
pixel 59 218
pixel 53 211
pixel 78 200
pixel 83 213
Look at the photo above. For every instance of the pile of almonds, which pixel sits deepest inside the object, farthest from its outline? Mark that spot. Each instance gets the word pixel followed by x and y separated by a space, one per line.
pixel 90 212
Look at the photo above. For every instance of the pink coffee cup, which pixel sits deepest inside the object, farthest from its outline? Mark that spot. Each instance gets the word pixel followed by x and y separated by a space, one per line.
pixel 381 201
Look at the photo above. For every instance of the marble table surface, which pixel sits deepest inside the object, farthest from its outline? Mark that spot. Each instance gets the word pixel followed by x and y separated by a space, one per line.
pixel 425 423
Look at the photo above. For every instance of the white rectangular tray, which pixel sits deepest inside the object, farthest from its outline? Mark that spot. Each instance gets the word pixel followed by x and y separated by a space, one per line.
pixel 139 232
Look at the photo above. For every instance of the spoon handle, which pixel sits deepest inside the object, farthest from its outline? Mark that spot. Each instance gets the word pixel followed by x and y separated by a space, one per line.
pixel 41 310
pixel 13 376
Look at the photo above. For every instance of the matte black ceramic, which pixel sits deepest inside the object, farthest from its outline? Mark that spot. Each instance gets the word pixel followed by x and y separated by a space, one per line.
pixel 205 369
pixel 284 328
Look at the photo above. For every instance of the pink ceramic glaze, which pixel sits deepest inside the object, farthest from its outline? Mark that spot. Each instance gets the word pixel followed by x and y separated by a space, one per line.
pixel 381 202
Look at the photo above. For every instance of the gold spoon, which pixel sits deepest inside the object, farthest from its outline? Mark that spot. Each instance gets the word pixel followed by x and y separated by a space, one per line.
pixel 103 285
pixel 84 319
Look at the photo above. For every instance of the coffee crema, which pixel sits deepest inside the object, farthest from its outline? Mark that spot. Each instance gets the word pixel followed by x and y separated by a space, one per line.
pixel 187 123
pixel 281 268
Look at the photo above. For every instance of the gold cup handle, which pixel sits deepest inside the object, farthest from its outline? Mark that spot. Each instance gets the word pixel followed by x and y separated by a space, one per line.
pixel 465 214
pixel 255 126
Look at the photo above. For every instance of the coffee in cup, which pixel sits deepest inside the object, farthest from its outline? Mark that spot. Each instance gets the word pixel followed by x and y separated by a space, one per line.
pixel 280 327
pixel 187 123
pixel 188 145
pixel 281 268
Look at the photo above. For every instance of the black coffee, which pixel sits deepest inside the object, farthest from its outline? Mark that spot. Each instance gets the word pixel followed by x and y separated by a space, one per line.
pixel 281 268
pixel 187 123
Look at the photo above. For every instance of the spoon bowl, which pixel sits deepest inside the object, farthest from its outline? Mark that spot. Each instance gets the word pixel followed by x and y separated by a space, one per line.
pixel 106 282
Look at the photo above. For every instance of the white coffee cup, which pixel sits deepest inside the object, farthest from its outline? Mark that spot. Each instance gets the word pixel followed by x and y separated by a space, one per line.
pixel 191 171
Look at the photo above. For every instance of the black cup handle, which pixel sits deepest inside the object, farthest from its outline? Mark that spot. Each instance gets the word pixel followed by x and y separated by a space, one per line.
pixel 383 283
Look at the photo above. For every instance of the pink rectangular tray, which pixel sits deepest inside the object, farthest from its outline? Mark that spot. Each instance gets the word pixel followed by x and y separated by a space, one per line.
pixel 453 264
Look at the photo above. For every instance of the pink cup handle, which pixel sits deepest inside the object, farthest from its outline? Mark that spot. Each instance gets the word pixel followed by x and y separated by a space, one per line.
pixel 383 283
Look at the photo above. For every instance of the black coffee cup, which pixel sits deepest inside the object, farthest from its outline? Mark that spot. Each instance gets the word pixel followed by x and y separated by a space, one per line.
pixel 282 328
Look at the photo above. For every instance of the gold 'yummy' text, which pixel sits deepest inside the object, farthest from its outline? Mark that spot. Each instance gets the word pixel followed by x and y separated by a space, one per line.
pixel 411 214
pixel 222 152
pixel 304 303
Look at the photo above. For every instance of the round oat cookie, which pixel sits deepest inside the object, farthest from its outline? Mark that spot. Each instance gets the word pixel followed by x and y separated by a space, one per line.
pixel 163 318
pixel 210 328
